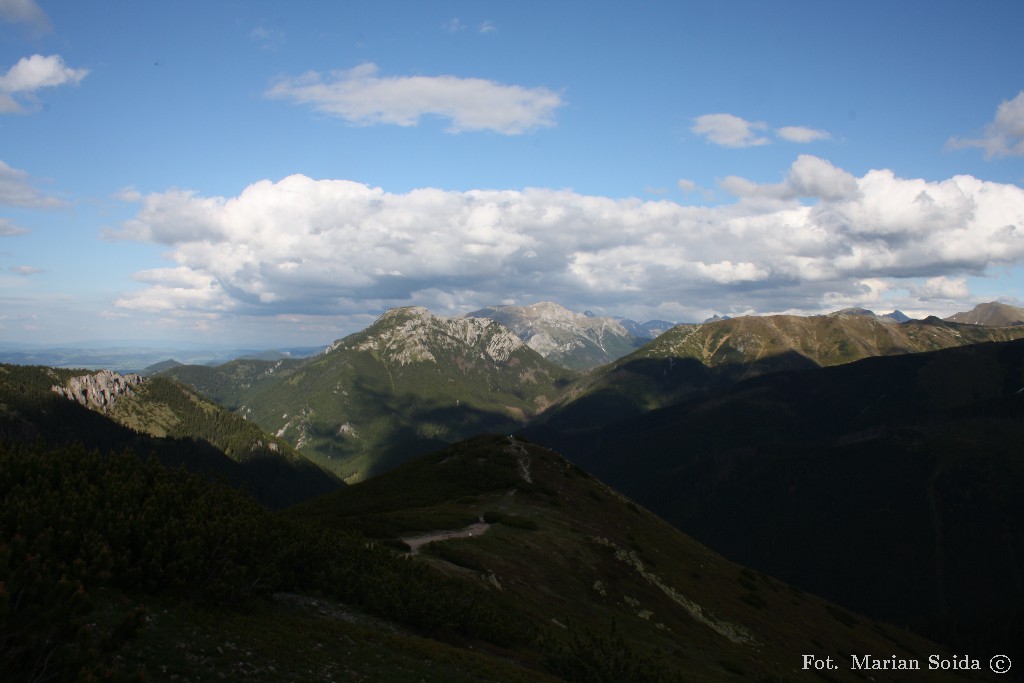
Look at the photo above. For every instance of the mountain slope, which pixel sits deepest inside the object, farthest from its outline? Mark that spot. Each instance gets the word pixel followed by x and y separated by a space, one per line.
pixel 691 360
pixel 891 485
pixel 593 567
pixel 109 411
pixel 573 340
pixel 993 314
pixel 118 569
pixel 407 384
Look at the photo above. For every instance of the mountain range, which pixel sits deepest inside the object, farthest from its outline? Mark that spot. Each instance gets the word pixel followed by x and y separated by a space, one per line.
pixel 414 381
pixel 869 461
pixel 408 384
pixel 694 359
pixel 577 341
pixel 122 357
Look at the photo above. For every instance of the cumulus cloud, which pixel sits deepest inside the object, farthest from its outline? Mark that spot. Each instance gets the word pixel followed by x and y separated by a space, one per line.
pixel 728 130
pixel 16 190
pixel 300 246
pixel 31 74
pixel 809 176
pixel 361 96
pixel 1004 136
pixel 25 12
pixel 943 288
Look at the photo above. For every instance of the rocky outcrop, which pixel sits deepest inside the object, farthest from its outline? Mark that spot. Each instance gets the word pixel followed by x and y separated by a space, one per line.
pixel 99 391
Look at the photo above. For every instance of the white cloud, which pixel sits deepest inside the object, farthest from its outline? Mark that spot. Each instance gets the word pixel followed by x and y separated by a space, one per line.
pixel 16 190
pixel 730 131
pixel 813 177
pixel 31 74
pixel 1004 136
pixel 943 288
pixel 362 97
pixel 24 12
pixel 9 229
pixel 334 247
pixel 267 38
pixel 26 270
pixel 488 27
pixel 686 185
pixel 800 134
pixel 809 176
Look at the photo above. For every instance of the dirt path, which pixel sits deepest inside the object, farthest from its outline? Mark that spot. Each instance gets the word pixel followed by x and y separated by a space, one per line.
pixel 414 542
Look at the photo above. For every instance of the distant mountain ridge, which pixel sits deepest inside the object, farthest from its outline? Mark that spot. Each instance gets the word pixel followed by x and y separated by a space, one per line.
pixel 578 341
pixel 993 314
pixel 413 381
pixel 895 316
pixel 695 359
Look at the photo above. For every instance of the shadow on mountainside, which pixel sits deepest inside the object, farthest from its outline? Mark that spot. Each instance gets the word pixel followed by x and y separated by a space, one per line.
pixel 890 485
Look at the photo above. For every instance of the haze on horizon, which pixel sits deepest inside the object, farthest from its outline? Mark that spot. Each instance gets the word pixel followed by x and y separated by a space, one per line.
pixel 258 175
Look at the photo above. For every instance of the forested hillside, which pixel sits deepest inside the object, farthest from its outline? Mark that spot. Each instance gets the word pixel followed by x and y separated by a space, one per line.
pixel 106 563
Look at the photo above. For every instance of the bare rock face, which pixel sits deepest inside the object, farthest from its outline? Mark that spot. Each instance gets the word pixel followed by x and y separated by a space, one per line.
pixel 574 340
pixel 99 391
pixel 414 334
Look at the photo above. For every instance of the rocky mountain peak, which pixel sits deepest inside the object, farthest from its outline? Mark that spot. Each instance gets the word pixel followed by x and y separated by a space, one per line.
pixel 99 391
pixel 574 340
pixel 414 334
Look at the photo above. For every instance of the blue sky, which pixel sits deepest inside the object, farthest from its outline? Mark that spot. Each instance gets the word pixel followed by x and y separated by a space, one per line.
pixel 269 174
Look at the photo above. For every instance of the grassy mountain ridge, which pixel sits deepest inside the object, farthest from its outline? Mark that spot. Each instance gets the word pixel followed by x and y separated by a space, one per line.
pixel 594 568
pixel 692 360
pixel 891 485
